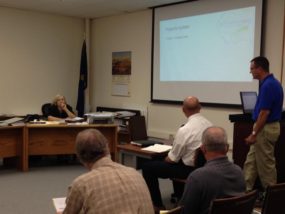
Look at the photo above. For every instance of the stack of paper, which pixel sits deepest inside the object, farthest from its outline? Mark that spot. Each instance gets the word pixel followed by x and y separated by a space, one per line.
pixel 59 122
pixel 157 148
pixel 74 120
pixel 12 121
pixel 256 211
pixel 59 204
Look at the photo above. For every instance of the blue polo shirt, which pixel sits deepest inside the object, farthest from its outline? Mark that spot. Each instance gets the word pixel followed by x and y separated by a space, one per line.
pixel 270 97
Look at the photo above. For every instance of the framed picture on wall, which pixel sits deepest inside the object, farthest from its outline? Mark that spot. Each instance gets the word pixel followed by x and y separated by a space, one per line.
pixel 121 63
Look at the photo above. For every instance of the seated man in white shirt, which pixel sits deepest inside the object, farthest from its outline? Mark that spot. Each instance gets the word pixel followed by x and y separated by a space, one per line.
pixel 180 160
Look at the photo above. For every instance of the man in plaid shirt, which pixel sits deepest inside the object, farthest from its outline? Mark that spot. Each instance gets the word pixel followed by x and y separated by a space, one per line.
pixel 108 187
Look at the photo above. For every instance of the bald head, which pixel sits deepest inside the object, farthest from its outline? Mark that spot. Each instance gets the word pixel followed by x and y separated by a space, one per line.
pixel 91 145
pixel 191 105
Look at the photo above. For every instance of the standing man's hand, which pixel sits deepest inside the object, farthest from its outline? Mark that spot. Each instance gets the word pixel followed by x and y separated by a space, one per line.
pixel 251 139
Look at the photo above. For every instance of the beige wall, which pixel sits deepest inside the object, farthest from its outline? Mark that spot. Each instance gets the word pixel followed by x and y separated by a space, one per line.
pixel 123 33
pixel 39 58
pixel 132 32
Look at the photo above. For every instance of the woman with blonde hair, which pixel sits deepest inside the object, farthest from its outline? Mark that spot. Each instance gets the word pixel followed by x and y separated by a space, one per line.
pixel 59 109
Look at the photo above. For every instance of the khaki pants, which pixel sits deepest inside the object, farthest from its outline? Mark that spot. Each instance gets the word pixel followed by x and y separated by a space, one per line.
pixel 260 160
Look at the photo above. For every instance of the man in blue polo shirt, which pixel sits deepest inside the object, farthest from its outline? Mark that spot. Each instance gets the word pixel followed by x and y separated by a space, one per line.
pixel 260 159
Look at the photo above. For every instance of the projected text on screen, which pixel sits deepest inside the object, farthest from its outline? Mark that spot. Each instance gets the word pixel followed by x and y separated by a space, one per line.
pixel 194 48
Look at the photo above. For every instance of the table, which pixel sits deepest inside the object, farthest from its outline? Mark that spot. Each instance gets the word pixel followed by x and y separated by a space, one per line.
pixel 136 152
pixel 40 139
pixel 11 145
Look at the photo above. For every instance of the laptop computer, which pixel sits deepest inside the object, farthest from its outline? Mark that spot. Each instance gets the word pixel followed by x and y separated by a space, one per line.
pixel 248 100
pixel 137 128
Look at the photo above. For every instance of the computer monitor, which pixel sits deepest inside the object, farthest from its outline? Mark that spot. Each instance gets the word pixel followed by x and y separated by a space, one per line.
pixel 138 133
pixel 248 100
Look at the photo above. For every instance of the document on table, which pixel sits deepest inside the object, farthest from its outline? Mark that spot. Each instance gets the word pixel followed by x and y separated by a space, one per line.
pixel 256 211
pixel 74 120
pixel 55 122
pixel 11 121
pixel 157 148
pixel 59 204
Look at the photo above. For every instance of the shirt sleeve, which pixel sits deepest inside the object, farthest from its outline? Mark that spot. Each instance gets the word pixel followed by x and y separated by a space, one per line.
pixel 74 200
pixel 52 111
pixel 69 108
pixel 176 153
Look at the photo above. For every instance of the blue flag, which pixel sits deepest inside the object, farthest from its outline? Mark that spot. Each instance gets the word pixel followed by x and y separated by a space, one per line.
pixel 82 82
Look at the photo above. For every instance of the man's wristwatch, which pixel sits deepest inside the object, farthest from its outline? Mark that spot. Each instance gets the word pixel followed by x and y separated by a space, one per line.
pixel 253 133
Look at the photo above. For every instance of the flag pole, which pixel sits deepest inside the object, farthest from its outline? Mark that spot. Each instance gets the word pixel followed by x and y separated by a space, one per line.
pixel 87 39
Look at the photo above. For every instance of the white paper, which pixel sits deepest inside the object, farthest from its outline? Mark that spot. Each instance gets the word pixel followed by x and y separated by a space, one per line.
pixel 120 89
pixel 256 212
pixel 122 114
pixel 59 204
pixel 100 114
pixel 157 148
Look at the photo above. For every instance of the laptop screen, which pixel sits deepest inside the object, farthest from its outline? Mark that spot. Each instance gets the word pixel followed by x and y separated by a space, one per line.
pixel 248 100
pixel 137 128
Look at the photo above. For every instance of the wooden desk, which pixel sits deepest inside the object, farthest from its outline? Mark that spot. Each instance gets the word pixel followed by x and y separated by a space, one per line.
pixel 11 145
pixel 20 142
pixel 60 139
pixel 136 152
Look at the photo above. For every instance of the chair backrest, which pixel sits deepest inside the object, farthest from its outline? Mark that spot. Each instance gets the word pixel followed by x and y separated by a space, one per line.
pixel 175 210
pixel 199 159
pixel 274 199
pixel 243 204
pixel 46 109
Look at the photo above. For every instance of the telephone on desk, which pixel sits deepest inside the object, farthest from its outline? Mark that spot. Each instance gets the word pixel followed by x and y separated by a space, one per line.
pixel 31 117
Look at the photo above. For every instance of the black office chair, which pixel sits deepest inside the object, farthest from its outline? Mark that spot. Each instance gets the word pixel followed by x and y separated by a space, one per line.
pixel 274 199
pixel 46 109
pixel 243 204
pixel 199 158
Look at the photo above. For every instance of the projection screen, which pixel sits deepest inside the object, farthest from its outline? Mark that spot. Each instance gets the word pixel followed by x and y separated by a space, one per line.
pixel 203 48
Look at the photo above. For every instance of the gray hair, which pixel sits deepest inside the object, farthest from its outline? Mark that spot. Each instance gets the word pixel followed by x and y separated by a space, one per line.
pixel 91 145
pixel 215 139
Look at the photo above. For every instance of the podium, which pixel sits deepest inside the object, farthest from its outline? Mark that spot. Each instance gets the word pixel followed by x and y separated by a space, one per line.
pixel 242 128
